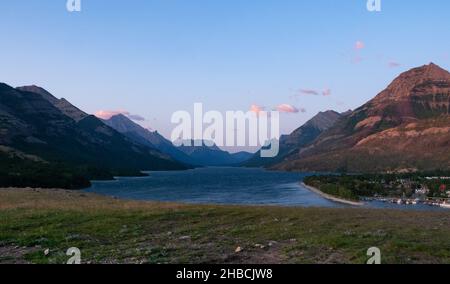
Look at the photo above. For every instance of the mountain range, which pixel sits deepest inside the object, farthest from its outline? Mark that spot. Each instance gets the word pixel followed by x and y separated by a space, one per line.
pixel 298 139
pixel 208 154
pixel 405 128
pixel 143 136
pixel 48 142
pixel 197 156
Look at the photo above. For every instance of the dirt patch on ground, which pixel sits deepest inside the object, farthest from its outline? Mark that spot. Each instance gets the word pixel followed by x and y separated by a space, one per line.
pixel 10 254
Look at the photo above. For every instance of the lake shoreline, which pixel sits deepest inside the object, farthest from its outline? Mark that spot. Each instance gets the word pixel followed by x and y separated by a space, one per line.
pixel 216 185
pixel 231 186
pixel 332 198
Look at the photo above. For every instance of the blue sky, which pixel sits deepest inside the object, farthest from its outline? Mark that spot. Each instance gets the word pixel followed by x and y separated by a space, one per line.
pixel 154 57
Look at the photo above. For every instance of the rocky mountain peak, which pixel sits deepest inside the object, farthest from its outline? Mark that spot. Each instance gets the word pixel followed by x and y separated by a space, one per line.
pixel 427 79
pixel 39 90
pixel 62 104
pixel 404 127
pixel 324 120
pixel 123 124
pixel 120 117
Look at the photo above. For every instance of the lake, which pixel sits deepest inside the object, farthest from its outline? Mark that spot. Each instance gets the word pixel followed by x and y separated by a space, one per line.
pixel 231 186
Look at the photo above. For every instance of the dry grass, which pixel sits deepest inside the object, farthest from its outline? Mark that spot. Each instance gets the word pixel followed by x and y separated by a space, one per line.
pixel 60 199
pixel 116 231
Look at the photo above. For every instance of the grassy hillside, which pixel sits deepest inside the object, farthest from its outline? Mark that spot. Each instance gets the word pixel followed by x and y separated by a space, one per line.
pixel 114 231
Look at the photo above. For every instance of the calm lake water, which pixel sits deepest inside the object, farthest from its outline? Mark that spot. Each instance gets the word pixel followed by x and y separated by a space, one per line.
pixel 233 186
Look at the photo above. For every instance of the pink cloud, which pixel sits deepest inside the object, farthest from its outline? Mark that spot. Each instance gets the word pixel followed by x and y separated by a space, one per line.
pixel 256 109
pixel 356 57
pixel 326 93
pixel 286 108
pixel 359 45
pixel 107 114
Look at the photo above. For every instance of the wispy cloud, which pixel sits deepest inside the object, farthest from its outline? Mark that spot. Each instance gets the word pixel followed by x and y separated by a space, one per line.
pixel 356 54
pixel 256 108
pixel 287 108
pixel 326 92
pixel 107 114
pixel 360 45
pixel 309 92
pixel 393 64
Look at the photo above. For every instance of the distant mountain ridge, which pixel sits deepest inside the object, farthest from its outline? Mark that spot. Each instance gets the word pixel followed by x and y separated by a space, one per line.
pixel 212 155
pixel 48 142
pixel 139 134
pixel 404 128
pixel 301 137
pixel 195 156
pixel 69 146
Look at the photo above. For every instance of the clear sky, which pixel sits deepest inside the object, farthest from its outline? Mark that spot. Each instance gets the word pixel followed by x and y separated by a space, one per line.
pixel 153 57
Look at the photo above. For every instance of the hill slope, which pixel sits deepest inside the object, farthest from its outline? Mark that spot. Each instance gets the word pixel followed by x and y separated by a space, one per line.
pixel 31 125
pixel 62 104
pixel 143 136
pixel 404 128
pixel 298 139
